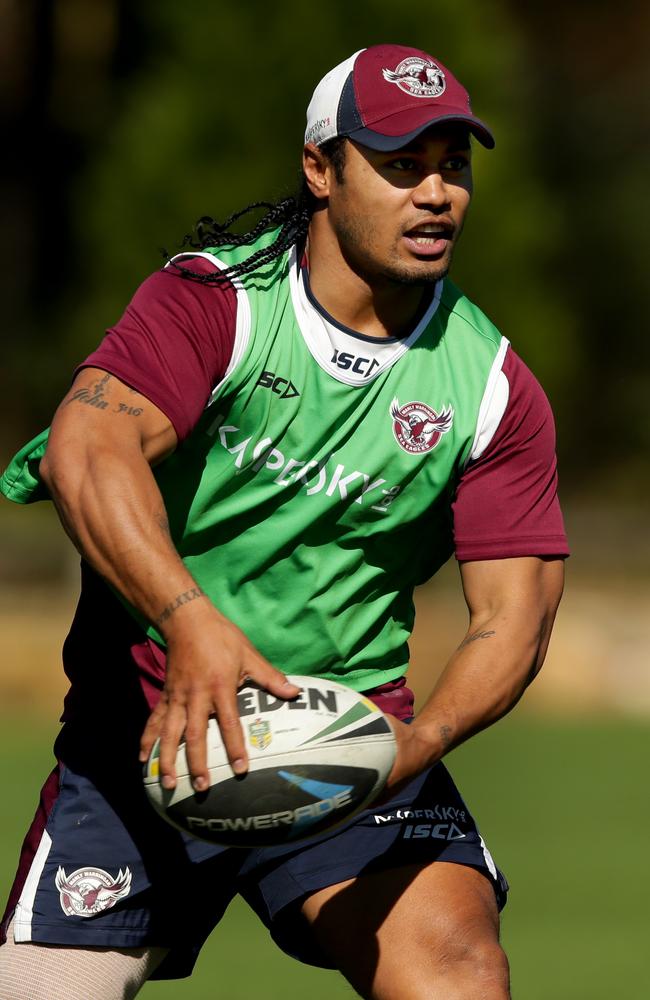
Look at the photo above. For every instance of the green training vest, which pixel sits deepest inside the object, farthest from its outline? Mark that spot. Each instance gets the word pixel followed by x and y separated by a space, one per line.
pixel 315 491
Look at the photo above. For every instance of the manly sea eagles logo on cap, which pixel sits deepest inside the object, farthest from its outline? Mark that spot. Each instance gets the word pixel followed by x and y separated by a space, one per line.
pixel 417 427
pixel 417 77
pixel 90 890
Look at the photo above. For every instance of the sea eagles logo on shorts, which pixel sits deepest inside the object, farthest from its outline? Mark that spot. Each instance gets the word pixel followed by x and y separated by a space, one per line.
pixel 260 734
pixel 90 890
pixel 417 77
pixel 417 427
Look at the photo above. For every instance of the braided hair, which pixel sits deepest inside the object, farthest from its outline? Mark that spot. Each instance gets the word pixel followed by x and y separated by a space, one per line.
pixel 290 215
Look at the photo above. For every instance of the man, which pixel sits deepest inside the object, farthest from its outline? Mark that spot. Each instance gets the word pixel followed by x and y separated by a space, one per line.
pixel 328 418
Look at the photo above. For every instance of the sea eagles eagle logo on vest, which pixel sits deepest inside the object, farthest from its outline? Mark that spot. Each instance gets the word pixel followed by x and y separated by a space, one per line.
pixel 417 427
pixel 417 77
pixel 88 891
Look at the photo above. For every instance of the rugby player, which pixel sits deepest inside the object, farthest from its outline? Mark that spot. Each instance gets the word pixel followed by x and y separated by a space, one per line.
pixel 285 433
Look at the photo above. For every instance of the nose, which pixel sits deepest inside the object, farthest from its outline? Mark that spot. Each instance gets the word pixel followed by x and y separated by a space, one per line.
pixel 431 192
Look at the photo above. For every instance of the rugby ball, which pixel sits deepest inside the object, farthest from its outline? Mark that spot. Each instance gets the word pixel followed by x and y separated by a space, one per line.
pixel 314 762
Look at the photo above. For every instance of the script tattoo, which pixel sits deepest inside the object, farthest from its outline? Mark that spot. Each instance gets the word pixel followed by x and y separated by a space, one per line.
pixel 94 396
pixel 476 635
pixel 131 411
pixel 184 598
pixel 91 396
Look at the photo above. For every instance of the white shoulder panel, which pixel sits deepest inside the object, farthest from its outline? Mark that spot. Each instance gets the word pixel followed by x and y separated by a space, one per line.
pixel 493 405
pixel 243 321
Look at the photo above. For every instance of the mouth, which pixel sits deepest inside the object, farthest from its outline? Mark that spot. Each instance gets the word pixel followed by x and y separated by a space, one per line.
pixel 429 239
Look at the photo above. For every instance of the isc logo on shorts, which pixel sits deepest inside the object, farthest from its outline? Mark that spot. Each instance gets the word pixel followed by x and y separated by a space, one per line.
pixel 438 831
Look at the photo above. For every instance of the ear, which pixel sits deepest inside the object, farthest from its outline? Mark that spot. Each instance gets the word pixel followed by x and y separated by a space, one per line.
pixel 317 170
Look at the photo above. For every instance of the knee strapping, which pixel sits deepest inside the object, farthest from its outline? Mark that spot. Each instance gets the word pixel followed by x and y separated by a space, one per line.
pixel 52 972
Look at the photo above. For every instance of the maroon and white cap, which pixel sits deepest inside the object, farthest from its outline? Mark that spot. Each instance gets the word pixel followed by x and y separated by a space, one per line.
pixel 384 96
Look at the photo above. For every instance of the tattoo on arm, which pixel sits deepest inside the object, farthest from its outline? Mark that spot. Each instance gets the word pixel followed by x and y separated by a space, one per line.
pixel 184 598
pixel 94 396
pixel 163 523
pixel 91 396
pixel 131 411
pixel 445 736
pixel 476 635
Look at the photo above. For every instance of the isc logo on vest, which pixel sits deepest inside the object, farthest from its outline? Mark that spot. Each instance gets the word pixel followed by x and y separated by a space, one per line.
pixel 282 387
pixel 342 359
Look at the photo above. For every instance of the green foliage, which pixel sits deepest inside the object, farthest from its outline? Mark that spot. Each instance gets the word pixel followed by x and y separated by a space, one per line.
pixel 218 121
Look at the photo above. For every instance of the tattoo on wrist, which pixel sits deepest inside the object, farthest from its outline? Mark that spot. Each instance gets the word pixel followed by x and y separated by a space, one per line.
pixel 163 523
pixel 477 635
pixel 91 396
pixel 445 736
pixel 184 598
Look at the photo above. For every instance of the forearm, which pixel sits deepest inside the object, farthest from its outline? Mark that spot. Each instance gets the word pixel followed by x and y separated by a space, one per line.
pixel 484 678
pixel 512 605
pixel 111 507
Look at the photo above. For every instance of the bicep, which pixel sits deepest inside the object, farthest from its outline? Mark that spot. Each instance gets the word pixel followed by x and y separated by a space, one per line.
pixel 102 411
pixel 521 593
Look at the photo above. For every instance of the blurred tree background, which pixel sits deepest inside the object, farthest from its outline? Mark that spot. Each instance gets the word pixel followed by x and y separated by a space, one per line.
pixel 124 122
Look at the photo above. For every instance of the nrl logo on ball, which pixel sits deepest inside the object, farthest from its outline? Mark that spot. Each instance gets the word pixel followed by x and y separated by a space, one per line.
pixel 417 77
pixel 260 734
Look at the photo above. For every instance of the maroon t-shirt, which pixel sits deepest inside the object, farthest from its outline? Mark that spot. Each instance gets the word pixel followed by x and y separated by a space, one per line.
pixel 173 345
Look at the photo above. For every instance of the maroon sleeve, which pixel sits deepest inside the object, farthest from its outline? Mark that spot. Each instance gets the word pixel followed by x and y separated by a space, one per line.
pixel 506 503
pixel 174 342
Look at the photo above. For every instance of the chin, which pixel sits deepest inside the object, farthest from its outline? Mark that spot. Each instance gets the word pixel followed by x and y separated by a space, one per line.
pixel 428 275
pixel 420 271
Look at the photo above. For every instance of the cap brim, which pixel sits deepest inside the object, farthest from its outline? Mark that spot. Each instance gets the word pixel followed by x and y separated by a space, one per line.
pixel 387 143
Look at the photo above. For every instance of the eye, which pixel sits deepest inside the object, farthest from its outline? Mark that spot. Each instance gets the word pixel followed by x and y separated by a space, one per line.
pixel 456 163
pixel 403 163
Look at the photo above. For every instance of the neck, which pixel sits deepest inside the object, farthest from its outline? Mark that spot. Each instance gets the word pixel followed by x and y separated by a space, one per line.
pixel 377 308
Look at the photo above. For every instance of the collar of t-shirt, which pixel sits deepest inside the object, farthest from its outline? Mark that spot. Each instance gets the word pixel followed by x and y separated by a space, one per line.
pixel 350 356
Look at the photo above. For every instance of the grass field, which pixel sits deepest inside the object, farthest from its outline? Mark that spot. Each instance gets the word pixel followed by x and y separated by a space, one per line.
pixel 566 813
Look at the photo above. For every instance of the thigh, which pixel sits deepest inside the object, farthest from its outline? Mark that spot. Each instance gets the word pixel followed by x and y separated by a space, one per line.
pixel 413 932
pixel 427 822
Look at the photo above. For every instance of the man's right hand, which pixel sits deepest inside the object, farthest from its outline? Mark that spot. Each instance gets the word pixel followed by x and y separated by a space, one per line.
pixel 208 659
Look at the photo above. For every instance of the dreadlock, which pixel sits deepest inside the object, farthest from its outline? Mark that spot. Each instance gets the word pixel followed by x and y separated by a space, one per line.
pixel 292 215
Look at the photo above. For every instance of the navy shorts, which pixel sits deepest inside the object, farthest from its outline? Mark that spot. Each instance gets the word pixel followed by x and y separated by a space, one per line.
pixel 100 868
